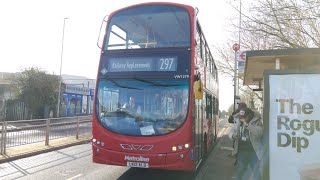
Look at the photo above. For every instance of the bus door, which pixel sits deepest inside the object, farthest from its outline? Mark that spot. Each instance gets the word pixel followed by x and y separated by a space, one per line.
pixel 215 120
pixel 197 131
pixel 209 120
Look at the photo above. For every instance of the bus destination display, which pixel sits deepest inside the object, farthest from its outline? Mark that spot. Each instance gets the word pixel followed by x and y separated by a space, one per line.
pixel 127 64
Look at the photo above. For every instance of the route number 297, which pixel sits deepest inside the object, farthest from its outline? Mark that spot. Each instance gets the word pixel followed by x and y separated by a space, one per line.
pixel 166 63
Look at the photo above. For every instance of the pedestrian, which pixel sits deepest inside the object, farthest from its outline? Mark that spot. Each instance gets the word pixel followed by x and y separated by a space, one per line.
pixel 51 114
pixel 235 115
pixel 247 133
pixel 234 118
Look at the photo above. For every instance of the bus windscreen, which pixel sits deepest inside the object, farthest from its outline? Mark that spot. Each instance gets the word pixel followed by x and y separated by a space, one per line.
pixel 142 107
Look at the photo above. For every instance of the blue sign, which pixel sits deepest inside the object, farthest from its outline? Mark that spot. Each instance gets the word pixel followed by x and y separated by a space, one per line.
pixel 92 92
pixel 77 90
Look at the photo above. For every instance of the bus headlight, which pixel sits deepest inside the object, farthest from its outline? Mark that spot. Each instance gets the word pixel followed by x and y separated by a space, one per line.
pixel 180 147
pixel 186 146
pixel 174 148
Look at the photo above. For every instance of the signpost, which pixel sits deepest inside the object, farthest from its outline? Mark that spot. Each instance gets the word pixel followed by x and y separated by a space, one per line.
pixel 242 55
pixel 241 62
pixel 236 48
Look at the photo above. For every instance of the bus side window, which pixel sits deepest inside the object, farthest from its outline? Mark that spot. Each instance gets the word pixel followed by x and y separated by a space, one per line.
pixel 117 39
pixel 198 44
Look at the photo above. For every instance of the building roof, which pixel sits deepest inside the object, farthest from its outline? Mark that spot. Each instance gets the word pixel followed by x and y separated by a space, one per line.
pixel 78 81
pixel 4 78
pixel 67 79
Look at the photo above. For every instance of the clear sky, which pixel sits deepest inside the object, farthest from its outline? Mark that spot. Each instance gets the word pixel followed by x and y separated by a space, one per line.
pixel 31 34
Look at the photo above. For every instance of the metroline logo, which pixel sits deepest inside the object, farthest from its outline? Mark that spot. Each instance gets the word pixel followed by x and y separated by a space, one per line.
pixel 134 158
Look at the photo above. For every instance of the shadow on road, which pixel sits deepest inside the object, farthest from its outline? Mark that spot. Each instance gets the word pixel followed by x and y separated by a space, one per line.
pixel 155 174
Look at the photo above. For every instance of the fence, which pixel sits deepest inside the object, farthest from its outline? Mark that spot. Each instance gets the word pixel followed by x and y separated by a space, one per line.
pixel 15 110
pixel 17 133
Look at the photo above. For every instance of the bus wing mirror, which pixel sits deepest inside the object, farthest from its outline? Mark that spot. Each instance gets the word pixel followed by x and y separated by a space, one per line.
pixel 198 90
pixel 100 42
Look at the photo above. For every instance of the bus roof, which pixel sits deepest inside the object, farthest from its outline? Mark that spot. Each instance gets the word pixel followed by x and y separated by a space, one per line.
pixel 187 6
pixel 288 59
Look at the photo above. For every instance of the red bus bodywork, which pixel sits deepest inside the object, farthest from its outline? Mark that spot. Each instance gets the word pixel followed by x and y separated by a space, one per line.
pixel 157 151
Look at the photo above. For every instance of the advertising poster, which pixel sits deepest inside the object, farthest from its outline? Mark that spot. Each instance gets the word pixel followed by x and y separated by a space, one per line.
pixel 294 126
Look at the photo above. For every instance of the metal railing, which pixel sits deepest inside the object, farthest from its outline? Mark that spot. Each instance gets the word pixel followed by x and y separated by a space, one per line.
pixel 22 132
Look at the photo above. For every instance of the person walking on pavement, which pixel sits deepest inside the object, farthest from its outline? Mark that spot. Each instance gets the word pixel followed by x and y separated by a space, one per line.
pixel 247 133
pixel 235 114
pixel 234 118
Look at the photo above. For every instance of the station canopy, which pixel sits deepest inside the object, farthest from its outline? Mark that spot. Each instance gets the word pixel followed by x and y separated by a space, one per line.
pixel 306 59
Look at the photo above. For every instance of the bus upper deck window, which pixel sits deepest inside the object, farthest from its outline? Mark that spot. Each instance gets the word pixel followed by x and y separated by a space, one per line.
pixel 150 26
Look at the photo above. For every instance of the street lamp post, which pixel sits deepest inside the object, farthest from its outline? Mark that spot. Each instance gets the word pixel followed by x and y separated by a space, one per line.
pixel 59 94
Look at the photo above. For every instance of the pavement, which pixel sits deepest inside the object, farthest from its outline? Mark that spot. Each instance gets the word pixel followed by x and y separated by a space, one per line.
pixel 218 166
pixel 28 150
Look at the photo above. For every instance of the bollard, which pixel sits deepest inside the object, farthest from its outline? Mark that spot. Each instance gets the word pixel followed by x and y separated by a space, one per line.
pixel 77 135
pixel 4 138
pixel 47 132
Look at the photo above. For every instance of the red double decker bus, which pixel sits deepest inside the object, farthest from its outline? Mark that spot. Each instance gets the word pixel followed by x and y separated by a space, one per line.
pixel 156 100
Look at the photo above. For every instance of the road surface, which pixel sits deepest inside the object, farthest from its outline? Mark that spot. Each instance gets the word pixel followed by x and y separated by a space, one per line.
pixel 76 163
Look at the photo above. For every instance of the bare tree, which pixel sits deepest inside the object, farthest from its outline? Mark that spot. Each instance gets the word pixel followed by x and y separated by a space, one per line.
pixel 251 98
pixel 271 24
pixel 281 24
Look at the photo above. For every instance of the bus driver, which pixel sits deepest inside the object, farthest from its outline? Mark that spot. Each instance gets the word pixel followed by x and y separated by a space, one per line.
pixel 131 106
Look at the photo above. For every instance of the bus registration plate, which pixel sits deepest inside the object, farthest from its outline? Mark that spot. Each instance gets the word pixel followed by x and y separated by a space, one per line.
pixel 138 164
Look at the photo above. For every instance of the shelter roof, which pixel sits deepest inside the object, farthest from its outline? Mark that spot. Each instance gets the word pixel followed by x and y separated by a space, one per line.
pixel 303 59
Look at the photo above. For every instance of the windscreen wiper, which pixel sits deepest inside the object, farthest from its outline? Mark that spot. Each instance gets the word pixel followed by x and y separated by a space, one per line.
pixel 118 85
pixel 119 112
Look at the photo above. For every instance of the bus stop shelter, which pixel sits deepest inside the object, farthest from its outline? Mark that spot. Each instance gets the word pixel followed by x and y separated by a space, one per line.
pixel 290 81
